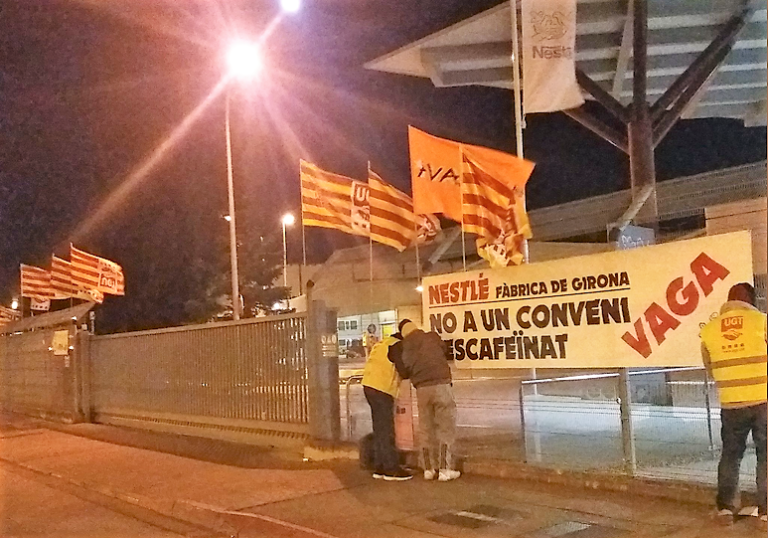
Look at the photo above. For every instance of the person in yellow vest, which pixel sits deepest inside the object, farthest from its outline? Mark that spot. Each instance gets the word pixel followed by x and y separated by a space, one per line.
pixel 381 383
pixel 733 346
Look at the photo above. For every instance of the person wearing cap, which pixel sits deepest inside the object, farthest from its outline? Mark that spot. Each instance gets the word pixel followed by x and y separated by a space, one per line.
pixel 424 361
pixel 381 384
pixel 733 347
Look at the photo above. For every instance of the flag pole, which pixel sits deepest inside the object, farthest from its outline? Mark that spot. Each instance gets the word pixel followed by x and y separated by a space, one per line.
pixel 519 119
pixel 303 237
pixel 370 245
pixel 461 199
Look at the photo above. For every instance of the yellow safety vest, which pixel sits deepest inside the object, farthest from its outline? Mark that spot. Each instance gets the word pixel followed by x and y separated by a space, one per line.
pixel 379 372
pixel 735 341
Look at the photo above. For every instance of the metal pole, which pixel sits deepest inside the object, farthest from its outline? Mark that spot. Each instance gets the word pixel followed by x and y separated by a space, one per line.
pixel 516 80
pixel 708 403
pixel 285 259
pixel 232 227
pixel 627 429
pixel 521 398
pixel 640 129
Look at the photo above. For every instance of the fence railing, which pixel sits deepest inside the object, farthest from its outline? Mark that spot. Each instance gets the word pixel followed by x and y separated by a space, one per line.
pixel 669 430
pixel 245 376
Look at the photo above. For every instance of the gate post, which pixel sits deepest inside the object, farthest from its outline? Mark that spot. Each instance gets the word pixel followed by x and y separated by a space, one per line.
pixel 82 363
pixel 323 371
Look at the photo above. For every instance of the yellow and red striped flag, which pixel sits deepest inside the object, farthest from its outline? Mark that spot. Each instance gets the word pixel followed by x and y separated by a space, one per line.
pixel 90 272
pixel 332 201
pixel 35 282
pixel 495 212
pixel 64 288
pixel 393 221
pixel 61 279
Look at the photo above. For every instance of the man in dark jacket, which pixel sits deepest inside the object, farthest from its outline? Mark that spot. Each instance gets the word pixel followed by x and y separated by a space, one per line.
pixel 425 362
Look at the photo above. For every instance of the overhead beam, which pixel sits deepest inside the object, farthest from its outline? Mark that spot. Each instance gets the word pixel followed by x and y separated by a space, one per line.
pixel 625 52
pixel 599 127
pixel 703 66
pixel 611 104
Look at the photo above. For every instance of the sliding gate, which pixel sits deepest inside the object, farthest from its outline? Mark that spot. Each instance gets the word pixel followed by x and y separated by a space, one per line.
pixel 234 380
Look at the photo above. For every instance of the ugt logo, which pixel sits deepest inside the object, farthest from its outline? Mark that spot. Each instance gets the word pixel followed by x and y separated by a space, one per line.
pixel 730 327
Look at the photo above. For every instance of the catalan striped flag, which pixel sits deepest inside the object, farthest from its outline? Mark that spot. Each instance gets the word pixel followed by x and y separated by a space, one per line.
pixel 393 221
pixel 64 288
pixel 495 211
pixel 8 315
pixel 332 201
pixel 90 272
pixel 35 283
pixel 61 279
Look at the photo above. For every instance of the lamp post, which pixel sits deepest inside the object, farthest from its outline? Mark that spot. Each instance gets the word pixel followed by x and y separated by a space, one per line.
pixel 287 220
pixel 244 62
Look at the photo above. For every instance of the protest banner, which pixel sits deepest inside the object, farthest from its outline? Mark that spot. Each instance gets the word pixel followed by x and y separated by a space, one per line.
pixel 622 309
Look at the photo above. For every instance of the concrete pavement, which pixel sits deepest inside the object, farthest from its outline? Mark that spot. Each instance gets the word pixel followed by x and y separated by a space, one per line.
pixel 246 491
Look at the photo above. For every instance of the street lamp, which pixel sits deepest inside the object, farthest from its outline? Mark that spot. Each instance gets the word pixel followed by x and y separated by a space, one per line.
pixel 287 220
pixel 244 62
pixel 14 304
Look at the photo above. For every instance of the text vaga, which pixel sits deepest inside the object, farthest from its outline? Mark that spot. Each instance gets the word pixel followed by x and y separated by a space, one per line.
pixel 681 300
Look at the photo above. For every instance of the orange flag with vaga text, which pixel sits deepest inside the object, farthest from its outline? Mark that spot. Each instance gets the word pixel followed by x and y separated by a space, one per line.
pixel 436 168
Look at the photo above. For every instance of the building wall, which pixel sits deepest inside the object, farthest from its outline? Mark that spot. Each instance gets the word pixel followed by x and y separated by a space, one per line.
pixel 743 215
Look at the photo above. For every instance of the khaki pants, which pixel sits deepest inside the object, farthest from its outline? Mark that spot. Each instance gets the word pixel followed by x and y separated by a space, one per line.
pixel 437 426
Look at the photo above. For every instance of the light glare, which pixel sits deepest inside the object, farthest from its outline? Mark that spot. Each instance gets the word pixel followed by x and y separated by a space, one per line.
pixel 289 219
pixel 14 304
pixel 244 60
pixel 290 6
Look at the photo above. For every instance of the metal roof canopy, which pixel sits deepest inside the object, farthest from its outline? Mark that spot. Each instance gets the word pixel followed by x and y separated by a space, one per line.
pixel 695 58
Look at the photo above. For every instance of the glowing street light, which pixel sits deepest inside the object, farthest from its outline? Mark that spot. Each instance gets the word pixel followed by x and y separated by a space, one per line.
pixel 244 60
pixel 14 304
pixel 290 6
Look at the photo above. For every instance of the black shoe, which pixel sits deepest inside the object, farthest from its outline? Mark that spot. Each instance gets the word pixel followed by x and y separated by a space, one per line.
pixel 398 476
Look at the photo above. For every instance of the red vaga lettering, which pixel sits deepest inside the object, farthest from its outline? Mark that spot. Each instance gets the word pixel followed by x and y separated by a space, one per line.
pixel 682 300
pixel 461 291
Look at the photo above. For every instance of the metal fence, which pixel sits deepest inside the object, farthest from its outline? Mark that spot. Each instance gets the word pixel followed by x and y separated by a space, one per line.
pixel 33 379
pixel 231 380
pixel 573 421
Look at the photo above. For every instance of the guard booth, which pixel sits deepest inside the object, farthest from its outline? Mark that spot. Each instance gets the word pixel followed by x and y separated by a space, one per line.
pixel 38 369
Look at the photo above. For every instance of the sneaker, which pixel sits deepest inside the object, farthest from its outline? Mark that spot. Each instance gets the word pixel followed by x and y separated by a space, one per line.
pixel 448 474
pixel 430 474
pixel 724 517
pixel 398 476
pixel 761 522
pixel 378 476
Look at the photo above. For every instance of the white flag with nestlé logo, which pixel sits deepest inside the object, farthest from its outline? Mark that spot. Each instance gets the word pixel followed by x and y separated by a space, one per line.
pixel 549 56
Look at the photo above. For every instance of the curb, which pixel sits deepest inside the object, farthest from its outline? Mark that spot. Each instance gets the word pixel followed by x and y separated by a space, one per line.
pixel 668 489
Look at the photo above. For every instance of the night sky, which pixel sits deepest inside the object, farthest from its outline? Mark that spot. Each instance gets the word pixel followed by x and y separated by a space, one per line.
pixel 90 88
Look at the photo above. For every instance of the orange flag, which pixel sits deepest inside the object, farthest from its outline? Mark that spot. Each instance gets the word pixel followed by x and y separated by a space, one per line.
pixel 436 167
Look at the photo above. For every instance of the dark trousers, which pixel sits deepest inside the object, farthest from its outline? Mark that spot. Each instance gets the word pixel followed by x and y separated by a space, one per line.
pixel 737 423
pixel 385 456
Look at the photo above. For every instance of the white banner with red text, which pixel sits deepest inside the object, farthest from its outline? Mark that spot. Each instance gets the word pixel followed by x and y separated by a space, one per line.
pixel 631 308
